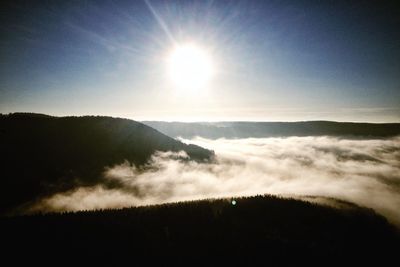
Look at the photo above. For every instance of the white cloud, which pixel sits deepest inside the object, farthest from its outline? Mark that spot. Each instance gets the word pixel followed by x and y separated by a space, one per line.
pixel 365 172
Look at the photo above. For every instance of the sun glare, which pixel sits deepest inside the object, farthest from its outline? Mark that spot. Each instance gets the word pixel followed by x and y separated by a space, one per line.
pixel 190 67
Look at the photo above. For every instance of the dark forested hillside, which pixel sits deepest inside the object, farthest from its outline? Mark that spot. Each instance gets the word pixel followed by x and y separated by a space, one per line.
pixel 41 154
pixel 262 230
pixel 275 129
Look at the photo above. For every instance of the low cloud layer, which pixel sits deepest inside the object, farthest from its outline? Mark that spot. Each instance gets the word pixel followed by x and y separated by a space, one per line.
pixel 365 172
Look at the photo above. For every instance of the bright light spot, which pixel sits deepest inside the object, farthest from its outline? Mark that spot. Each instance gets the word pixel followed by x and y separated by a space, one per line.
pixel 190 67
pixel 233 202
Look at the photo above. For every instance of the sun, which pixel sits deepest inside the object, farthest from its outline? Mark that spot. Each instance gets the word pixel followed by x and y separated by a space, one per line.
pixel 190 67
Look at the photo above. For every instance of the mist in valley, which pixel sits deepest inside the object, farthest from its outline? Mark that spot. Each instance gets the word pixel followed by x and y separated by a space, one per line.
pixel 361 171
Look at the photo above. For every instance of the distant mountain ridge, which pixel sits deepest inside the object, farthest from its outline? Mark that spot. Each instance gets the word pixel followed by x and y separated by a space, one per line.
pixel 216 130
pixel 41 154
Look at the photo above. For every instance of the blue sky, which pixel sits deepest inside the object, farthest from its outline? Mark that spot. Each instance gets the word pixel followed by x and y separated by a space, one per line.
pixel 273 60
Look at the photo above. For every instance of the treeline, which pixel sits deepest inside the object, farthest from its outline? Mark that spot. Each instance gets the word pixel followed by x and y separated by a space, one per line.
pixel 245 129
pixel 264 230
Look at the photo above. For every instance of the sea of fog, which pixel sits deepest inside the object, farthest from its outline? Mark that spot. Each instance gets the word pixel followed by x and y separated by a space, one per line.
pixel 364 171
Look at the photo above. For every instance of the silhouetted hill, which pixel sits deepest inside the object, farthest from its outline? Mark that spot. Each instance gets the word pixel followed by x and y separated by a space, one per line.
pixel 41 154
pixel 261 230
pixel 215 130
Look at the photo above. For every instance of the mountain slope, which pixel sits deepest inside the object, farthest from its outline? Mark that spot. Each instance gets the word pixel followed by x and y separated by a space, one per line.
pixel 273 129
pixel 257 231
pixel 41 154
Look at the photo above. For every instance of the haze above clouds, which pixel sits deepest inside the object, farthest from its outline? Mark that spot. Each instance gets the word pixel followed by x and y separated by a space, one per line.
pixel 365 172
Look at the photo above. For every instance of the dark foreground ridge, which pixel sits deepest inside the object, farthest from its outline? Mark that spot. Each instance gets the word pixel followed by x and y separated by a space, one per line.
pixel 42 155
pixel 215 130
pixel 265 230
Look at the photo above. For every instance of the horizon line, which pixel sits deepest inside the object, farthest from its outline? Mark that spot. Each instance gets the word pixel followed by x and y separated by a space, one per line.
pixel 199 121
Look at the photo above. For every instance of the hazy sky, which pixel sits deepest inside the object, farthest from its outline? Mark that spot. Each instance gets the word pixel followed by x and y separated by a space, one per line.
pixel 272 60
